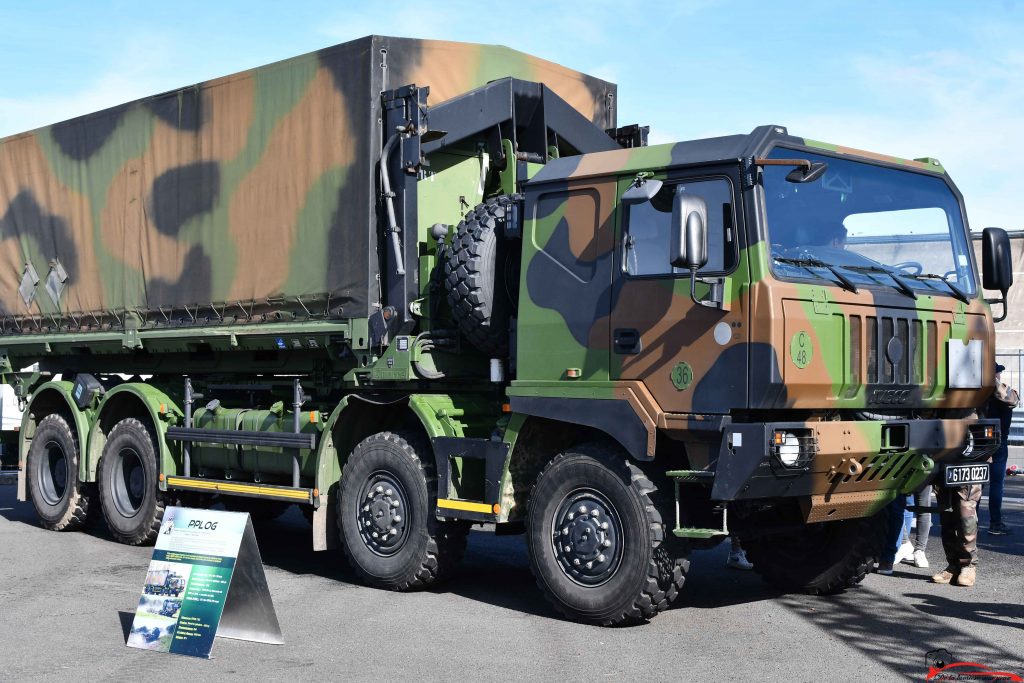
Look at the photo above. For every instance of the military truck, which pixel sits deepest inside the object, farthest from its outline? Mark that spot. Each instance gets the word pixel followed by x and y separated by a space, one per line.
pixel 413 286
pixel 164 582
pixel 170 608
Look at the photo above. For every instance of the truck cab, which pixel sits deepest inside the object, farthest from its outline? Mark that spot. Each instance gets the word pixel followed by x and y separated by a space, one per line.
pixel 780 316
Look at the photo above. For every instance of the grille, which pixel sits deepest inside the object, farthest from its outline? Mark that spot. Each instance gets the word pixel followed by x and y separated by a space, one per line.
pixel 894 350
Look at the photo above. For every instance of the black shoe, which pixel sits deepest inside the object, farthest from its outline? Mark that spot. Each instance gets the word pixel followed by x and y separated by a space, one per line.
pixel 999 529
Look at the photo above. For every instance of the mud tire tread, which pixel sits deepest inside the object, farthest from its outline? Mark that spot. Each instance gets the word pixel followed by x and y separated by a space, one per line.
pixel 848 569
pixel 446 541
pixel 81 504
pixel 148 532
pixel 475 269
pixel 665 575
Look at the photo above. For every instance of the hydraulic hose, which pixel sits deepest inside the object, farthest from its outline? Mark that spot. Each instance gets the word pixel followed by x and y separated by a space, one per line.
pixel 389 200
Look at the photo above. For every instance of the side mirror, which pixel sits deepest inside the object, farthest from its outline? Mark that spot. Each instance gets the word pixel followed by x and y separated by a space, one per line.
pixel 689 243
pixel 996 264
pixel 807 174
pixel 641 191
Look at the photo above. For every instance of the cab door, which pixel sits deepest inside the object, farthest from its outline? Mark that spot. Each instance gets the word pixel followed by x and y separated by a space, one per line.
pixel 689 358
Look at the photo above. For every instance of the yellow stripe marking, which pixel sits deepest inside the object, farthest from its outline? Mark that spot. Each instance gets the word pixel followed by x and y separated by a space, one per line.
pixel 464 505
pixel 255 489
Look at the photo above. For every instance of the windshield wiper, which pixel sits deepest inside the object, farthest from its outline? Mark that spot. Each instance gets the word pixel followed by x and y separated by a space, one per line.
pixel 953 289
pixel 901 285
pixel 809 263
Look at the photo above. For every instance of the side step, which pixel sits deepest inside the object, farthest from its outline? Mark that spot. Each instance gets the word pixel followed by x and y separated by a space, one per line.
pixel 695 477
pixel 692 476
pixel 238 488
pixel 693 532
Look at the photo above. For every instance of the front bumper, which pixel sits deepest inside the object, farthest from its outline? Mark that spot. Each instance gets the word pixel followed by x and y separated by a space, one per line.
pixel 845 469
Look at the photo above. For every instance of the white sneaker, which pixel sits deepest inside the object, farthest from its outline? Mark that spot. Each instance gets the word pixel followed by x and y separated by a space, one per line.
pixel 920 560
pixel 905 554
pixel 738 560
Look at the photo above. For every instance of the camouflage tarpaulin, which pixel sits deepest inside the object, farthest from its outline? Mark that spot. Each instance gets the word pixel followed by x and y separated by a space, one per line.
pixel 254 187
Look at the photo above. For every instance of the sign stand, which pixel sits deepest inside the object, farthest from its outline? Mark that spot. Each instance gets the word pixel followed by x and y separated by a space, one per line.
pixel 248 610
pixel 205 580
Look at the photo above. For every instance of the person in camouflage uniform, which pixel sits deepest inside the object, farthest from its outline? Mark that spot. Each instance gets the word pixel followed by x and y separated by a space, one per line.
pixel 959 518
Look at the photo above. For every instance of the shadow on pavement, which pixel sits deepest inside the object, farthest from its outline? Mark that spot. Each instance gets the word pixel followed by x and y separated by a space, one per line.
pixel 126 623
pixel 1006 614
pixel 13 510
pixel 894 635
pixel 493 571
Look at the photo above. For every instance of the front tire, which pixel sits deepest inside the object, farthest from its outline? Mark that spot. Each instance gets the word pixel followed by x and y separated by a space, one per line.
pixel 386 505
pixel 819 559
pixel 132 505
pixel 61 500
pixel 595 539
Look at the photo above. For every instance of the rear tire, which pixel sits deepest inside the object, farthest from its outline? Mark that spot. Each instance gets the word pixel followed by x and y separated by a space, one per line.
pixel 819 559
pixel 131 502
pixel 606 568
pixel 388 528
pixel 61 500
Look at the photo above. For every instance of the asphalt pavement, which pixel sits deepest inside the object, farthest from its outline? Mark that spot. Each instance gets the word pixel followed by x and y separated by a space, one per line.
pixel 67 601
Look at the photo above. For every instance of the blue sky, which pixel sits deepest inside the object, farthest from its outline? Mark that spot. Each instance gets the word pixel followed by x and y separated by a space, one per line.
pixel 942 79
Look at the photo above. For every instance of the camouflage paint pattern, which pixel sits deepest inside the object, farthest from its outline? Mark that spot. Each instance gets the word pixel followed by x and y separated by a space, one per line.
pixel 959 519
pixel 741 358
pixel 255 191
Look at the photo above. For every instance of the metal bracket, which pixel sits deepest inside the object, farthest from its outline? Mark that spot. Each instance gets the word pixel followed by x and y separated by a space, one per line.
pixel 819 297
pixel 29 280
pixel 55 280
pixel 959 314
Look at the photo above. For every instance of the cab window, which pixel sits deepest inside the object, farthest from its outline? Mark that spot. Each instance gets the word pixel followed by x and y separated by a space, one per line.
pixel 649 225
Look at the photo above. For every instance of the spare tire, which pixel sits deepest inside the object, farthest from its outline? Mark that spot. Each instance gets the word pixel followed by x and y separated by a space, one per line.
pixel 482 276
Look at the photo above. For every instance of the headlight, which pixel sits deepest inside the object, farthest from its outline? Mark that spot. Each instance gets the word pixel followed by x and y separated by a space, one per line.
pixel 787 447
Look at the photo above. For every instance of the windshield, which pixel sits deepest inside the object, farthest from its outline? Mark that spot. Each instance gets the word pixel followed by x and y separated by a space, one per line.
pixel 861 224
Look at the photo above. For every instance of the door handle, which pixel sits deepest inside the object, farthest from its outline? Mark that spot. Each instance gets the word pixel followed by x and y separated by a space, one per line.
pixel 627 340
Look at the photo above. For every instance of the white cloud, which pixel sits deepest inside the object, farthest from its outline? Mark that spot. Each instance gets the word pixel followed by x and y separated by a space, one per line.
pixel 141 68
pixel 965 110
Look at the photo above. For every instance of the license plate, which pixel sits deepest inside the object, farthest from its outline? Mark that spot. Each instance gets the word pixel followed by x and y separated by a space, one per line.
pixel 961 475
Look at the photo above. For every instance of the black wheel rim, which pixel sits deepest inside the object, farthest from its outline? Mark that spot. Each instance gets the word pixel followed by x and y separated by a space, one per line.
pixel 52 473
pixel 586 536
pixel 383 516
pixel 129 482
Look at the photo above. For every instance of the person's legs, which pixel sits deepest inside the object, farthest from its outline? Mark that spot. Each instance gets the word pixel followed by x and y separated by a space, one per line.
pixel 995 488
pixel 737 557
pixel 949 519
pixel 908 520
pixel 923 498
pixel 893 535
pixel 969 497
pixel 904 548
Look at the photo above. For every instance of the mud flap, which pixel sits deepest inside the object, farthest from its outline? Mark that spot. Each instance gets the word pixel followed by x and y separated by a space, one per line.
pixel 469 477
